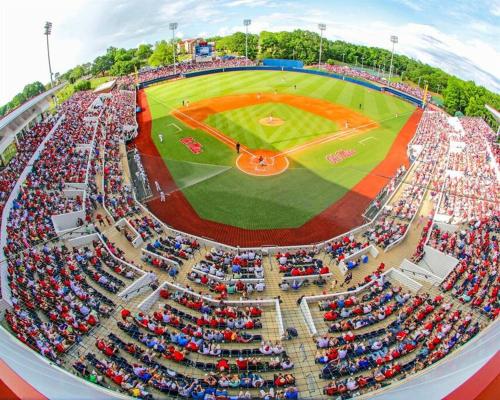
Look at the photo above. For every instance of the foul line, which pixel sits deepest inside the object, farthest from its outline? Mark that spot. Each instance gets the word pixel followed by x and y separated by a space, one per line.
pixel 337 135
pixel 366 139
pixel 175 126
pixel 231 143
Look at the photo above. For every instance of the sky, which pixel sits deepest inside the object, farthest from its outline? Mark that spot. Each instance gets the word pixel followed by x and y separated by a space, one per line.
pixel 461 37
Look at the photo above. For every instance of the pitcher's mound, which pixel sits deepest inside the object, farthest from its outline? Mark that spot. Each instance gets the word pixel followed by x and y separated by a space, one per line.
pixel 271 121
pixel 262 163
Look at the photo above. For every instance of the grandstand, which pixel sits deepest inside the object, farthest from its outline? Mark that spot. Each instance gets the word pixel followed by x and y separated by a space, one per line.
pixel 106 299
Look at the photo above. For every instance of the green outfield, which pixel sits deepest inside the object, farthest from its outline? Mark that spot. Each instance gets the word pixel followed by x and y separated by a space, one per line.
pixel 220 192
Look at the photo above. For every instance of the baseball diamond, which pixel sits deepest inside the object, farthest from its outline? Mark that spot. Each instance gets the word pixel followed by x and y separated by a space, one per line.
pixel 320 116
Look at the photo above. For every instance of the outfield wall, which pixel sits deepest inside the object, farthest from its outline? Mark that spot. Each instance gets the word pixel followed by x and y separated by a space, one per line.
pixel 359 82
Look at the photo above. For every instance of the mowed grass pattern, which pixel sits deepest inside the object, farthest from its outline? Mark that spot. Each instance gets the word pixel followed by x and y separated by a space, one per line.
pixel 309 186
pixel 243 125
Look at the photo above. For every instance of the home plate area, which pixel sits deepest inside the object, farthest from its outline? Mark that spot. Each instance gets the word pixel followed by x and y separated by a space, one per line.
pixel 262 162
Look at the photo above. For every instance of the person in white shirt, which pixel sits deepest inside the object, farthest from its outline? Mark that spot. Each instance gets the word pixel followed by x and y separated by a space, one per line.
pixel 323 342
pixel 342 353
pixel 351 384
pixel 260 286
pixel 160 136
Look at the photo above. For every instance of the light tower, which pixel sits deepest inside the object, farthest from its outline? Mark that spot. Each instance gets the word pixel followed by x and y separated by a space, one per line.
pixel 173 26
pixel 246 23
pixel 394 40
pixel 47 32
pixel 321 28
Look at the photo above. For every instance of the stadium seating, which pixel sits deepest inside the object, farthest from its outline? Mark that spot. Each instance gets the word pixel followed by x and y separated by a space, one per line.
pixel 67 298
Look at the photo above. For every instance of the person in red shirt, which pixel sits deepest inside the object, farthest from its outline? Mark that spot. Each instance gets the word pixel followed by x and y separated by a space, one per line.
pixel 330 315
pixel 222 365
pixel 242 363
pixel 192 346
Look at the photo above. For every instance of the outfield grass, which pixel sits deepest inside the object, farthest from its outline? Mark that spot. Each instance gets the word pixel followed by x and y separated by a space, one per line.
pixel 220 192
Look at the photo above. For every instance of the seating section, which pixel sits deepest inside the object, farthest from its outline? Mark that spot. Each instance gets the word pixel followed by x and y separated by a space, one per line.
pixel 148 74
pixel 70 304
pixel 432 140
pixel 475 279
pixel 346 70
pixel 471 186
pixel 28 142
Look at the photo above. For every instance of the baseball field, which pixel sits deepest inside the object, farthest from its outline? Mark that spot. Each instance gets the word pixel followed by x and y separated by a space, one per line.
pixel 306 142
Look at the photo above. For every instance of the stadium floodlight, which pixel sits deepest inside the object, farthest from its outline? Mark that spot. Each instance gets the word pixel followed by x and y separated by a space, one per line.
pixel 362 61
pixel 246 23
pixel 47 32
pixel 394 40
pixel 173 26
pixel 343 56
pixel 321 28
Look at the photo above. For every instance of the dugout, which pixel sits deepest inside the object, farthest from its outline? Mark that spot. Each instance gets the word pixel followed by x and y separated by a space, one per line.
pixel 282 63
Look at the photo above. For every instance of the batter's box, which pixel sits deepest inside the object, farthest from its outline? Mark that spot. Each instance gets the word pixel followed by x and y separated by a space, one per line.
pixel 266 161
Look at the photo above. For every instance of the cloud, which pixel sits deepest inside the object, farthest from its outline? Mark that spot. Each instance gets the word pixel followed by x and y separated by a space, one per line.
pixel 250 3
pixel 495 8
pixel 414 5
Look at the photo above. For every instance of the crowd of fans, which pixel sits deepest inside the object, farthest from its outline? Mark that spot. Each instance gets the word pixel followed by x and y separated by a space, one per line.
pixel 59 294
pixel 421 331
pixel 475 279
pixel 414 91
pixel 119 200
pixel 431 140
pixel 27 143
pixel 471 188
pixel 181 68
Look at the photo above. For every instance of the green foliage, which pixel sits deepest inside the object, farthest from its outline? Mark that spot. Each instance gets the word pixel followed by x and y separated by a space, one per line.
pixel 76 73
pixel 82 85
pixel 235 44
pixel 162 54
pixel 29 91
pixel 102 64
pixel 124 67
pixel 144 51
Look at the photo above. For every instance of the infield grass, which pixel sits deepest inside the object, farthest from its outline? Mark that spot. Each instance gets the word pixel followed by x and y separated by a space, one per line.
pixel 220 192
pixel 243 125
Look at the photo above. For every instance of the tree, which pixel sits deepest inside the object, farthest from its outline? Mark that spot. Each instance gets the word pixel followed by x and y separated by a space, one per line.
pixel 76 73
pixel 235 44
pixel 33 89
pixel 162 54
pixel 124 67
pixel 144 51
pixel 102 64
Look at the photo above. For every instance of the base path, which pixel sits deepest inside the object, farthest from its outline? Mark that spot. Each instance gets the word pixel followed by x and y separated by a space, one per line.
pixel 340 217
pixel 260 162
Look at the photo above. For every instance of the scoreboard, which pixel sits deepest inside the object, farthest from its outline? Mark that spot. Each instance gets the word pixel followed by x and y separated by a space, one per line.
pixel 204 51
